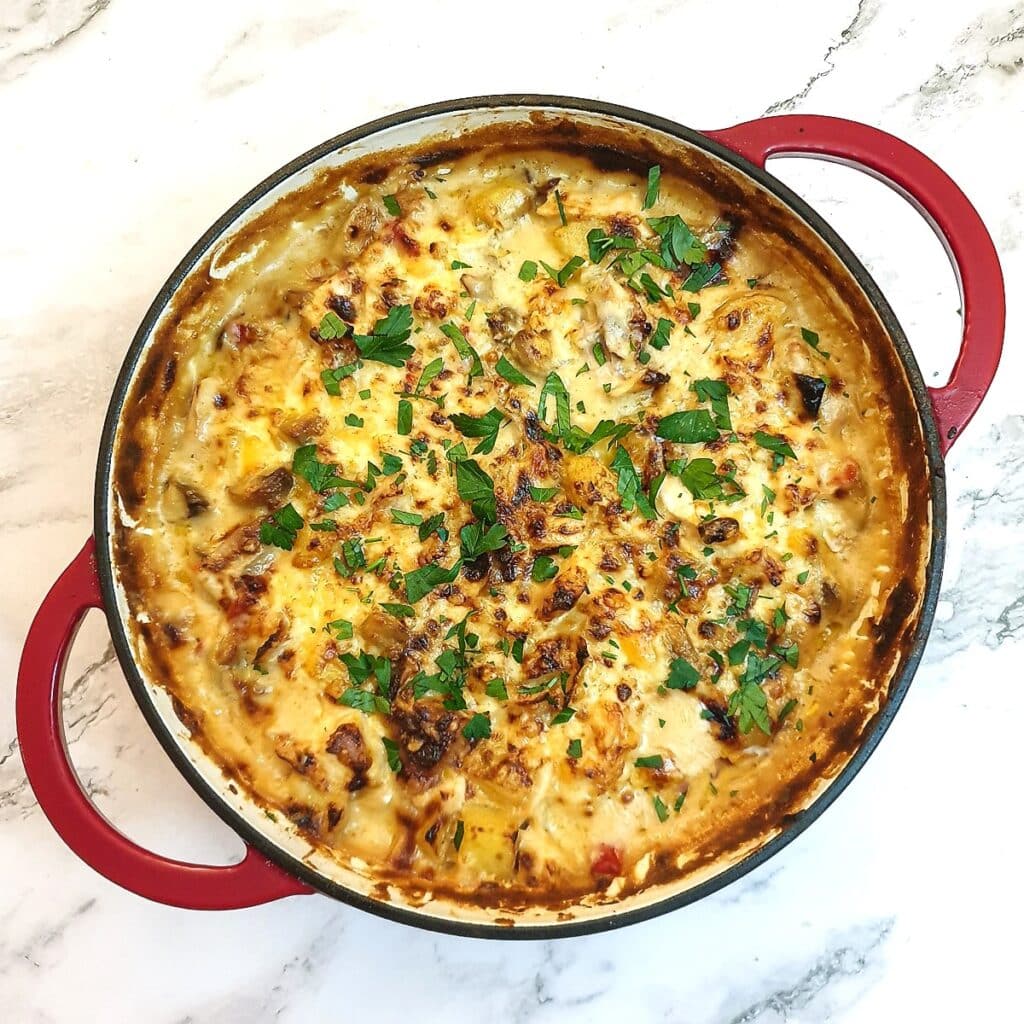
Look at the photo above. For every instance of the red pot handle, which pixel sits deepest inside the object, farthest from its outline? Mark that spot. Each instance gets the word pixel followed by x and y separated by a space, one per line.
pixel 44 753
pixel 948 211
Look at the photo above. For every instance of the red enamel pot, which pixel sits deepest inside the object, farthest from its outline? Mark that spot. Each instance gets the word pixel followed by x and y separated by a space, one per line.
pixel 270 870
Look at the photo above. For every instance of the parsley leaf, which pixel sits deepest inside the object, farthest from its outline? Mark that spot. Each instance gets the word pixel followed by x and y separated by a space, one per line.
pixel 630 487
pixel 528 271
pixel 653 186
pixel 319 475
pixel 811 338
pixel 283 528
pixel 387 342
pixel 561 208
pixel 651 761
pixel 331 327
pixel 391 752
pixel 779 446
pixel 477 728
pixel 430 371
pixel 681 675
pixel 575 748
pixel 553 386
pixel 391 205
pixel 678 243
pixel 399 611
pixel 403 425
pixel 505 369
pixel 544 569
pixel 331 379
pixel 563 276
pixel 406 518
pixel 660 808
pixel 543 493
pixel 486 426
pixel 749 703
pixel 717 393
pixel 422 581
pixel 688 427
pixel 476 539
pixel 463 347
pixel 497 689
pixel 435 524
pixel 701 276
pixel 659 339
pixel 476 487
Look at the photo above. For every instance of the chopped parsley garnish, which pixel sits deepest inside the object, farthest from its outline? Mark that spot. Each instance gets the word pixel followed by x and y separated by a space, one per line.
pixel 486 427
pixel 505 369
pixel 544 569
pixel 340 629
pixel 430 371
pixel 785 710
pixel 496 688
pixel 477 539
pixel 391 752
pixel 659 339
pixel 403 426
pixel 562 277
pixel 561 208
pixel 563 716
pixel 459 265
pixel 653 187
pixel 801 577
pixel 660 808
pixel 399 611
pixel 435 524
pixel 387 342
pixel 779 447
pixel 690 427
pixel 651 761
pixel 463 347
pixel 331 379
pixel 476 487
pixel 811 338
pixel 543 493
pixel 701 276
pixel 528 271
pixel 362 668
pixel 717 393
pixel 391 205
pixel 460 831
pixel 599 357
pixel 750 706
pixel 283 528
pixel 477 728
pixel 681 675
pixel 678 243
pixel 352 420
pixel 319 475
pixel 694 308
pixel 422 581
pixel 575 748
pixel 331 327
pixel 352 557
pixel 630 487
pixel 406 518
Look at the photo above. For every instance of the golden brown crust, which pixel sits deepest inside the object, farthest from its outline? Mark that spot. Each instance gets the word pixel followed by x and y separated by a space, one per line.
pixel 858 513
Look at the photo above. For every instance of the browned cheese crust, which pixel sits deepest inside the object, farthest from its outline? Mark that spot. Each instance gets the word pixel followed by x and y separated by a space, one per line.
pixel 591 581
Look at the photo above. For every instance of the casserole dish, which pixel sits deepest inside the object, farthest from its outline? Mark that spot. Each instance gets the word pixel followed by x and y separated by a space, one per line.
pixel 927 424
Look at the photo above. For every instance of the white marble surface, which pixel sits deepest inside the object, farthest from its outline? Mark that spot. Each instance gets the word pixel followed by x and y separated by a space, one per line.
pixel 126 128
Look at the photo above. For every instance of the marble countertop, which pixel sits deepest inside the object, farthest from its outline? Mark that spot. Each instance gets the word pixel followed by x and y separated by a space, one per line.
pixel 127 128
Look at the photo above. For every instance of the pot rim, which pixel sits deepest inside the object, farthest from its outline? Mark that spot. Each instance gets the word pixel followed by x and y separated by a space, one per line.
pixel 613 918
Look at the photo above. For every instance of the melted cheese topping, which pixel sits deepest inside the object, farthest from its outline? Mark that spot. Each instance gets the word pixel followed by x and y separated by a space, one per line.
pixel 628 683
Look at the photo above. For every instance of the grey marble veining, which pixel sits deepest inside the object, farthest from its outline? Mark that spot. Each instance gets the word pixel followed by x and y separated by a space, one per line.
pixel 127 129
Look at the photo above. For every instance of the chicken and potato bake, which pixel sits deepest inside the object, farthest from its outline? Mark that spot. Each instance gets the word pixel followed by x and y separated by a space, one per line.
pixel 518 524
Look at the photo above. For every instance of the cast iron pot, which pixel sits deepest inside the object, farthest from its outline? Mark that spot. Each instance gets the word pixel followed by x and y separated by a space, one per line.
pixel 274 865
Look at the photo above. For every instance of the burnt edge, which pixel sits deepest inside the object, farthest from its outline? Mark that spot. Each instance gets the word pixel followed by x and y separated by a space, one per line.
pixel 898 644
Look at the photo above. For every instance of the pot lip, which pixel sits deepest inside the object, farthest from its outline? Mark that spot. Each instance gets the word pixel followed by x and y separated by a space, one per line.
pixel 613 918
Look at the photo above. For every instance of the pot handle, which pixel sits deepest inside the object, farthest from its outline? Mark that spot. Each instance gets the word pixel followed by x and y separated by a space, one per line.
pixel 252 881
pixel 939 200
